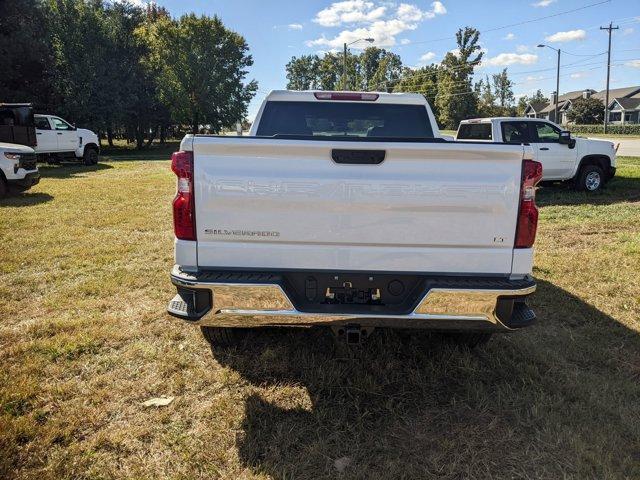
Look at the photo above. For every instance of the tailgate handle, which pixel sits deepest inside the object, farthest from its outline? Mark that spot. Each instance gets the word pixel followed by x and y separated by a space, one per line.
pixel 358 157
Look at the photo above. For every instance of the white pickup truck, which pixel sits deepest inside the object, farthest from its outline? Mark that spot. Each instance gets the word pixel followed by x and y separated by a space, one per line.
pixel 348 210
pixel 18 167
pixel 58 139
pixel 588 163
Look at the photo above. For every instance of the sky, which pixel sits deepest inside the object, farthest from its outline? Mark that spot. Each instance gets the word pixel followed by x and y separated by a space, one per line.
pixel 423 31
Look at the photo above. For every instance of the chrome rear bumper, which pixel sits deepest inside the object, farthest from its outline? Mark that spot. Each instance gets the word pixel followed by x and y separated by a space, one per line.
pixel 234 304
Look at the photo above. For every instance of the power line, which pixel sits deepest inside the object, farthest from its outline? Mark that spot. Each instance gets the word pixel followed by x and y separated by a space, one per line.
pixel 420 74
pixel 431 89
pixel 580 54
pixel 524 22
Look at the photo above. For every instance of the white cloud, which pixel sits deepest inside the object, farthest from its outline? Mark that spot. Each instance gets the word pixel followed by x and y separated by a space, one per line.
pixel 627 31
pixel 405 41
pixel 579 75
pixel 505 59
pixel 522 48
pixel 633 64
pixel 427 57
pixel 383 32
pixel 375 20
pixel 533 78
pixel 349 11
pixel 509 36
pixel 409 13
pixel 295 26
pixel 568 36
pixel 543 3
pixel 438 8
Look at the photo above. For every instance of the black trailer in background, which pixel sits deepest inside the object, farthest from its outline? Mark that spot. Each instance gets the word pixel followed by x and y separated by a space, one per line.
pixel 17 124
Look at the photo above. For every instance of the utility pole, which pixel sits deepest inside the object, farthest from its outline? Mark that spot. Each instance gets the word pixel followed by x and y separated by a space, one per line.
pixel 610 28
pixel 557 120
pixel 344 59
pixel 344 68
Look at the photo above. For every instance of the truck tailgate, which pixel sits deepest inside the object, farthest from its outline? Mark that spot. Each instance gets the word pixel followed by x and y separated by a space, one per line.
pixel 286 204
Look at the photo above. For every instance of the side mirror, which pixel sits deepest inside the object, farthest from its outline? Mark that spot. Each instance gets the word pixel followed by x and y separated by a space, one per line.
pixel 565 139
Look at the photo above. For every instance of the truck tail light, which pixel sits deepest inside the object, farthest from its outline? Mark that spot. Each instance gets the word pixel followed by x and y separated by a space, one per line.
pixel 528 212
pixel 347 96
pixel 184 221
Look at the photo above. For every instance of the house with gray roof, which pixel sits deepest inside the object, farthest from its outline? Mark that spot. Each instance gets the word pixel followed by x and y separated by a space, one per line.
pixel 625 110
pixel 623 106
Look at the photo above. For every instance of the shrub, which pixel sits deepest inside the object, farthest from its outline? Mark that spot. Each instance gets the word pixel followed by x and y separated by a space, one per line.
pixel 631 129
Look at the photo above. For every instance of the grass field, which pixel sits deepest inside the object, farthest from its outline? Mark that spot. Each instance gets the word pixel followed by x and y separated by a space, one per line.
pixel 84 341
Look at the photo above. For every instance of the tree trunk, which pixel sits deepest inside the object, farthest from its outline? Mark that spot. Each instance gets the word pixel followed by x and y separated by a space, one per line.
pixel 110 136
pixel 163 134
pixel 139 138
pixel 194 125
pixel 152 137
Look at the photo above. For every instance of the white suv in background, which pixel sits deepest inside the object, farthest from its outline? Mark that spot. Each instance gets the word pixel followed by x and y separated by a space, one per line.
pixel 58 139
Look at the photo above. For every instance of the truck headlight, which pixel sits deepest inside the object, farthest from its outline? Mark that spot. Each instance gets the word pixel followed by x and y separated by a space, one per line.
pixel 12 156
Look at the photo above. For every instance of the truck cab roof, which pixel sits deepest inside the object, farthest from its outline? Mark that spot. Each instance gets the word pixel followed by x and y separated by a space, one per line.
pixel 506 119
pixel 349 96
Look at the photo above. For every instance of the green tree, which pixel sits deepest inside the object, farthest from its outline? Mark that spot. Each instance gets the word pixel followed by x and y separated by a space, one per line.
pixel 538 97
pixel 486 98
pixel 376 69
pixel 373 69
pixel 586 111
pixel 82 78
pixel 503 89
pixel 330 72
pixel 133 105
pixel 422 80
pixel 201 67
pixel 26 55
pixel 456 99
pixel 303 73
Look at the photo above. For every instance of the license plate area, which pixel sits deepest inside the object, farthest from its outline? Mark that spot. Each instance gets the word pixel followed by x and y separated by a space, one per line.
pixel 354 292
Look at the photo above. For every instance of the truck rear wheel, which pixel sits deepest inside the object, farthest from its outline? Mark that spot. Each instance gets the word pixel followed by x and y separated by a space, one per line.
pixel 590 178
pixel 90 156
pixel 223 336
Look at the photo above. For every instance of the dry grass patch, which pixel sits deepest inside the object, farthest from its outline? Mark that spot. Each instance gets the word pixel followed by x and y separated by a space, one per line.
pixel 84 340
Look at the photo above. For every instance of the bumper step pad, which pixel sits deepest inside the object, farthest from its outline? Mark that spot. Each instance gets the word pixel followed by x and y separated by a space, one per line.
pixel 190 305
pixel 522 316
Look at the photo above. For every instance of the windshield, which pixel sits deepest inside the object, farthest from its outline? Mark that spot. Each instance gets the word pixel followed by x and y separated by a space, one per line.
pixel 340 119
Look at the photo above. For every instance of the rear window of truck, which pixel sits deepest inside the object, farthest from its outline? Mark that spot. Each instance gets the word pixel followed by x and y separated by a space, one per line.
pixel 475 131
pixel 345 119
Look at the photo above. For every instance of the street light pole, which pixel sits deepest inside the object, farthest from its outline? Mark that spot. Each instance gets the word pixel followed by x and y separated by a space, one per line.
pixel 344 59
pixel 555 110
